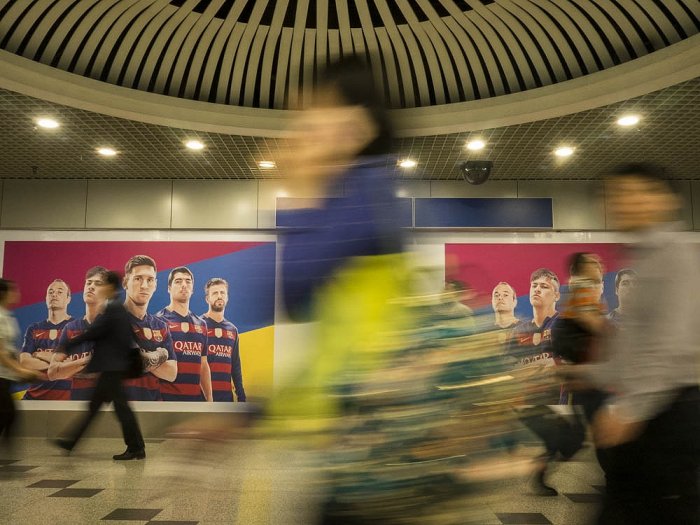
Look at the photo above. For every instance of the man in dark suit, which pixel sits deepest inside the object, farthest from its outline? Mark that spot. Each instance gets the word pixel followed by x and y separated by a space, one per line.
pixel 114 340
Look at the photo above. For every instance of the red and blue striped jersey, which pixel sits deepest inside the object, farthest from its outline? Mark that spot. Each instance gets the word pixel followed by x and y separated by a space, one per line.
pixel 224 360
pixel 189 335
pixel 151 333
pixel 44 336
pixel 82 383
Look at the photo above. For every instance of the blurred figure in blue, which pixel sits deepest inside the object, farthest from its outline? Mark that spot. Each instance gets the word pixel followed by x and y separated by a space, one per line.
pixel 649 427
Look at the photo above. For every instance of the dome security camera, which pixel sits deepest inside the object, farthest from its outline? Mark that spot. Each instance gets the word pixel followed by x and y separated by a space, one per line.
pixel 475 171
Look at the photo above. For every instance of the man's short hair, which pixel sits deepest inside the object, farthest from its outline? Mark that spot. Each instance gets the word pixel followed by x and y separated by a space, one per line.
pixel 138 260
pixel 213 282
pixel 645 170
pixel 64 283
pixel 545 273
pixel 503 283
pixel 179 269
pixel 112 278
pixel 96 270
pixel 5 286
pixel 622 273
pixel 579 259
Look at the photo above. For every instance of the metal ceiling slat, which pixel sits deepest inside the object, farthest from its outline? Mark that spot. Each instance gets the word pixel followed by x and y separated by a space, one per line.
pixel 333 45
pixel 682 17
pixel 512 41
pixel 490 46
pixel 132 41
pixel 191 48
pixel 657 15
pixel 620 18
pixel 358 42
pixel 273 37
pixel 227 63
pixel 156 20
pixel 29 18
pixel 296 51
pixel 283 66
pixel 544 29
pixel 346 39
pixel 394 76
pixel 544 10
pixel 116 37
pixel 42 30
pixel 405 73
pixel 170 37
pixel 242 53
pixel 595 11
pixel 587 29
pixel 536 53
pixel 454 48
pixel 468 46
pixel 418 66
pixel 655 34
pixel 429 52
pixel 90 47
pixel 198 65
pixel 307 77
pixel 251 77
pixel 409 70
pixel 321 34
pixel 217 50
pixel 371 43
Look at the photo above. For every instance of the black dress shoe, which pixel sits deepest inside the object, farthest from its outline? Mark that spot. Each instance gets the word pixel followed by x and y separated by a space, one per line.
pixel 64 444
pixel 130 454
pixel 539 487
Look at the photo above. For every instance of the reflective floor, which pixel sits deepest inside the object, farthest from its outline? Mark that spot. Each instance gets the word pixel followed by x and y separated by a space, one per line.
pixel 236 482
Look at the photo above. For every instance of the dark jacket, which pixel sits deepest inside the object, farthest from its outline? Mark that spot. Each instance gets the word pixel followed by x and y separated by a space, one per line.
pixel 113 337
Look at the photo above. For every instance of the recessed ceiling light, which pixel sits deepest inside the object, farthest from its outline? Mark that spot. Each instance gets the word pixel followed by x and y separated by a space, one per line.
pixel 47 123
pixel 266 164
pixel 407 163
pixel 194 144
pixel 476 145
pixel 628 120
pixel 107 152
pixel 564 151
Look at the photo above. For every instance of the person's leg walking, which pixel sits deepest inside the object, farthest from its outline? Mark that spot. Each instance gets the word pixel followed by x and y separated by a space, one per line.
pixel 7 410
pixel 99 396
pixel 127 419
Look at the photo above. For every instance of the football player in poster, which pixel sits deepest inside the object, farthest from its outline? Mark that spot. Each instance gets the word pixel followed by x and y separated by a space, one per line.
pixel 69 366
pixel 189 333
pixel 152 333
pixel 41 340
pixel 625 281
pixel 503 301
pixel 223 346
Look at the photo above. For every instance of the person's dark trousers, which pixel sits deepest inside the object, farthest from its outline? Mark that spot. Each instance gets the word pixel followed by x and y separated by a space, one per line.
pixel 8 412
pixel 109 389
pixel 655 479
pixel 589 401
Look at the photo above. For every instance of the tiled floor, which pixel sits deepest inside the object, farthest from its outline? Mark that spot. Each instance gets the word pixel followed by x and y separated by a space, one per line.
pixel 243 482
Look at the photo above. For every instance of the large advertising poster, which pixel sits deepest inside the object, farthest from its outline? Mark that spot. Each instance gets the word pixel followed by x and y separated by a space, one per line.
pixel 202 313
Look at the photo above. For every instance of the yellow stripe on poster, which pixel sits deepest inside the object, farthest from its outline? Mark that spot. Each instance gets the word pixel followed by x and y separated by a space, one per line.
pixel 19 394
pixel 257 349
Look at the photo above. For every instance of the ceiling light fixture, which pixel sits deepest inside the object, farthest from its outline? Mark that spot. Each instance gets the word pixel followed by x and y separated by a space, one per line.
pixel 267 164
pixel 408 163
pixel 476 145
pixel 194 145
pixel 564 151
pixel 107 152
pixel 47 123
pixel 628 120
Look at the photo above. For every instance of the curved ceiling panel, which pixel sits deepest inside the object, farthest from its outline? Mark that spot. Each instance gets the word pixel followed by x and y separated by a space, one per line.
pixel 265 53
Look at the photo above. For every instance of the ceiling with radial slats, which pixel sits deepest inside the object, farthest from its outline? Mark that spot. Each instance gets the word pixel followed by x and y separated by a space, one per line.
pixel 266 53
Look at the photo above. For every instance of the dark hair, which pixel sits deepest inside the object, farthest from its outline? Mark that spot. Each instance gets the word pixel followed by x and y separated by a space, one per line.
pixel 112 278
pixel 645 170
pixel 212 282
pixel 622 273
pixel 64 283
pixel 354 82
pixel 455 285
pixel 139 260
pixel 179 269
pixel 95 270
pixel 545 273
pixel 5 286
pixel 579 259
